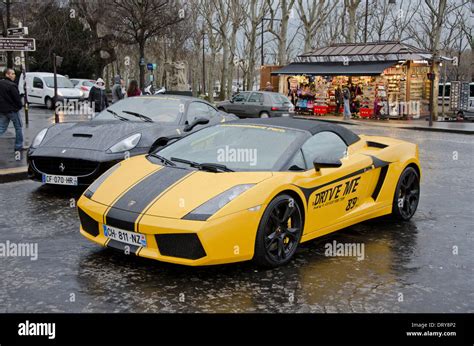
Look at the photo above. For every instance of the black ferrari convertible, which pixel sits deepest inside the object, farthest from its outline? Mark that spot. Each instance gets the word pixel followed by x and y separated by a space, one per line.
pixel 77 153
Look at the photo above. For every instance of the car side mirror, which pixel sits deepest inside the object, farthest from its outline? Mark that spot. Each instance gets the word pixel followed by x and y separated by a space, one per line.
pixel 162 142
pixel 195 122
pixel 325 162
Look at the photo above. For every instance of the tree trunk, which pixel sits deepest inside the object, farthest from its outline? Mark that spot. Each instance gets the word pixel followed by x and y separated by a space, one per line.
pixel 225 69
pixel 285 16
pixel 212 77
pixel 230 76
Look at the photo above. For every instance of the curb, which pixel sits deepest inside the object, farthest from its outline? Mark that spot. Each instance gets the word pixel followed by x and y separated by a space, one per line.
pixel 9 175
pixel 416 128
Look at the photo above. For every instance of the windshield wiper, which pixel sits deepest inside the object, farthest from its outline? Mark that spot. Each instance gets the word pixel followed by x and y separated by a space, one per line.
pixel 116 115
pixel 141 116
pixel 163 159
pixel 214 167
pixel 211 167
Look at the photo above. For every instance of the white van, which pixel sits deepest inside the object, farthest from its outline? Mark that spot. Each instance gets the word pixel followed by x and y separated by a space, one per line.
pixel 40 88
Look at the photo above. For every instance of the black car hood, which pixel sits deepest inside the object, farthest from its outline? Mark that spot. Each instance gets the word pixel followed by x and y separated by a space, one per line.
pixel 93 135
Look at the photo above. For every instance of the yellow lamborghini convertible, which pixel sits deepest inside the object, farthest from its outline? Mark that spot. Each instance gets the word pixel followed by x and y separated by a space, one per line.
pixel 249 189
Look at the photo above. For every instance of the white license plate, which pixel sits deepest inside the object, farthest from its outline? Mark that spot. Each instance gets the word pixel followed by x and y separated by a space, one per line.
pixel 285 115
pixel 132 238
pixel 59 180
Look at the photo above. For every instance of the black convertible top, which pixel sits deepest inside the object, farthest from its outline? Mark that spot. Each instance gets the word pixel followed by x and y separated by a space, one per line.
pixel 312 126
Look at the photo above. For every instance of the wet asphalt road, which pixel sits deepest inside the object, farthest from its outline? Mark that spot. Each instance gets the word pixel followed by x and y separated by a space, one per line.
pixel 408 267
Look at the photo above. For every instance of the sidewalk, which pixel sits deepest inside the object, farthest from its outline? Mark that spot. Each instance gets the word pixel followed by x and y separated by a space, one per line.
pixel 466 128
pixel 39 118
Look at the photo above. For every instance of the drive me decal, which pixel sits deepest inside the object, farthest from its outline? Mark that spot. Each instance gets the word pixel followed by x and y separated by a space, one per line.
pixel 337 194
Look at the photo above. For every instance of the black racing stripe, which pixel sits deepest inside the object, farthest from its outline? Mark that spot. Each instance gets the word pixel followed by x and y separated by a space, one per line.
pixel 117 245
pixel 308 191
pixel 126 210
pixel 380 181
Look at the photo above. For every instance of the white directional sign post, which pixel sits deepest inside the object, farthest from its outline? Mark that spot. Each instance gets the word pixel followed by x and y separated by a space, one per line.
pixel 14 44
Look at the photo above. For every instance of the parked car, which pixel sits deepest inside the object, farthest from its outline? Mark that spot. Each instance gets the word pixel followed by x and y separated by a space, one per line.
pixel 311 178
pixel 77 153
pixel 40 88
pixel 83 84
pixel 258 104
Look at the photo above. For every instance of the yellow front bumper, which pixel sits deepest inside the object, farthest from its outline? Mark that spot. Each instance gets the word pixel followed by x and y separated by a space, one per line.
pixel 227 239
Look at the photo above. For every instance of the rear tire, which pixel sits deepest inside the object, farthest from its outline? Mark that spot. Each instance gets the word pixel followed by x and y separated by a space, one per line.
pixel 407 195
pixel 264 115
pixel 279 232
pixel 48 102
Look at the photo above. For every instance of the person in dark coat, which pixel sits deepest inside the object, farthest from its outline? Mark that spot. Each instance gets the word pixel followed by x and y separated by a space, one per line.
pixel 10 105
pixel 97 96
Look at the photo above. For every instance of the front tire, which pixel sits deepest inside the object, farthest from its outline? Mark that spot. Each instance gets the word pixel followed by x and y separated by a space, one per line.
pixel 279 232
pixel 407 195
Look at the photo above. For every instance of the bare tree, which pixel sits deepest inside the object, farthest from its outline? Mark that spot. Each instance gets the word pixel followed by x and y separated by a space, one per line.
pixel 103 43
pixel 350 6
pixel 257 9
pixel 427 32
pixel 236 11
pixel 137 21
pixel 284 8
pixel 313 16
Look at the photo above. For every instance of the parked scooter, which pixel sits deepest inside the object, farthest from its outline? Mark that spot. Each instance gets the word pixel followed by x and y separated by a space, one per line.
pixel 150 90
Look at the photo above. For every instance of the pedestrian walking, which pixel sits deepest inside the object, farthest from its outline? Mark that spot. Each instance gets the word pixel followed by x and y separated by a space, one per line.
pixel 133 89
pixel 10 105
pixel 117 93
pixel 339 98
pixel 347 98
pixel 98 97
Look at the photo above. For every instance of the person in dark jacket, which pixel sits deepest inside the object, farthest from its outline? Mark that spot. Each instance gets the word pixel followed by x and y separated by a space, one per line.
pixel 117 93
pixel 97 96
pixel 10 105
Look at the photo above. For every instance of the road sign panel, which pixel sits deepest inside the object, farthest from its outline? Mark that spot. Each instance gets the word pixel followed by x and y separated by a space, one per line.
pixel 17 44
pixel 23 31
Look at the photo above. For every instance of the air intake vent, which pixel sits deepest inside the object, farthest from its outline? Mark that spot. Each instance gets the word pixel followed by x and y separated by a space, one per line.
pixel 376 145
pixel 88 224
pixel 186 245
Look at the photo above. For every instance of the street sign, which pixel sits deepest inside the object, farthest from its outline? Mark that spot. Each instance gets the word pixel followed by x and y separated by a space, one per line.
pixel 23 31
pixel 151 67
pixel 17 44
pixel 142 61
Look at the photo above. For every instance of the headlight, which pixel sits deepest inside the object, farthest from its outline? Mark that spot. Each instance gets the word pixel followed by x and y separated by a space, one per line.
pixel 209 208
pixel 125 144
pixel 91 190
pixel 81 94
pixel 60 93
pixel 39 138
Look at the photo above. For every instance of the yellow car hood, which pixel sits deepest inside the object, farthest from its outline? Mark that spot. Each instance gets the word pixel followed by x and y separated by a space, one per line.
pixel 166 191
